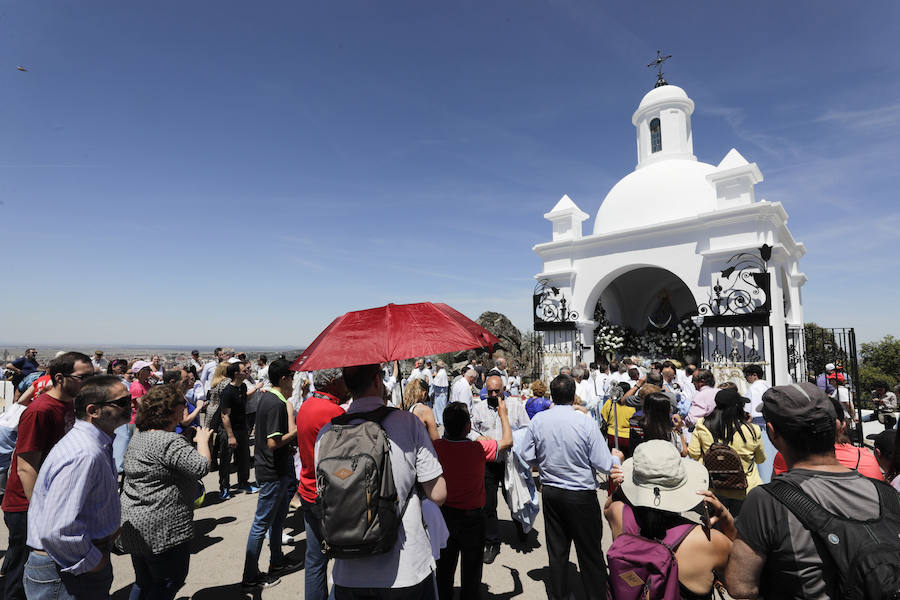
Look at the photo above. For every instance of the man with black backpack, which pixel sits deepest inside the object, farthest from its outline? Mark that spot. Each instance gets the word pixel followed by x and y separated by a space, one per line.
pixel 820 530
pixel 372 464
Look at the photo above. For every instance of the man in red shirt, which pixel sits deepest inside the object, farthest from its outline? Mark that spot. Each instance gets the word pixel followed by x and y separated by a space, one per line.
pixel 315 412
pixel 41 426
pixel 463 462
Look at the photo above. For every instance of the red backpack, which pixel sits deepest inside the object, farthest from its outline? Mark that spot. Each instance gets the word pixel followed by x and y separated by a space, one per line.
pixel 641 568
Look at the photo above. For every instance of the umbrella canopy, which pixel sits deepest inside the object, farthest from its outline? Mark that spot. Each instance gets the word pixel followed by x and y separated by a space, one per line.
pixel 392 332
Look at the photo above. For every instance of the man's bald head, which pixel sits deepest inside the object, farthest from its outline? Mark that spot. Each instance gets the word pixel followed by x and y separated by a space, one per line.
pixel 500 363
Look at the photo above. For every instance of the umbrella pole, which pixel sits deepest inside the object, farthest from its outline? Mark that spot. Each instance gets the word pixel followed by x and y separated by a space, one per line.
pixel 616 423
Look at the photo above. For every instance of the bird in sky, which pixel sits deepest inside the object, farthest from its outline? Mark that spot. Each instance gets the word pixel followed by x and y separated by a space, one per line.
pixel 20 68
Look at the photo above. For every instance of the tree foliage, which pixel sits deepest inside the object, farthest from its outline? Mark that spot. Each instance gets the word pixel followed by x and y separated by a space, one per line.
pixel 880 363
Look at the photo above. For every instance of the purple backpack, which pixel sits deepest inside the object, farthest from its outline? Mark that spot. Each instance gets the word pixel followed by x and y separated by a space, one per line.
pixel 641 568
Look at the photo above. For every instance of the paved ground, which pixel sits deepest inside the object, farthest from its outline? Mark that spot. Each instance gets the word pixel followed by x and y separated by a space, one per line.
pixel 221 535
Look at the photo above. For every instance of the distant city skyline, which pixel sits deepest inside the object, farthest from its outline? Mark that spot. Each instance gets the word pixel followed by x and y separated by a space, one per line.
pixel 181 172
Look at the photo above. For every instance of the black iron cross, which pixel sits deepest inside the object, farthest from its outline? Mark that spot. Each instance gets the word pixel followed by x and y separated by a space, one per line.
pixel 660 59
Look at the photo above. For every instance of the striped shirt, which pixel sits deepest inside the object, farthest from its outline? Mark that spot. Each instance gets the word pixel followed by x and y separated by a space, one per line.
pixel 75 501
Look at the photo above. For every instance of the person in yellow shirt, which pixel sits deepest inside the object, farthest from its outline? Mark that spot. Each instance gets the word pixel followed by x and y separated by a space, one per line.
pixel 617 419
pixel 728 424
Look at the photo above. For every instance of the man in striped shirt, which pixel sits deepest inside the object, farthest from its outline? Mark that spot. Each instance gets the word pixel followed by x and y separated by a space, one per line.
pixel 75 513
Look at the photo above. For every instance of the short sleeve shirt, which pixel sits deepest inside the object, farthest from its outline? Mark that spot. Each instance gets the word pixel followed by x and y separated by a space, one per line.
pixel 313 414
pixel 26 365
pixel 463 464
pixel 794 567
pixel 41 426
pixel 413 461
pixel 234 398
pixel 272 422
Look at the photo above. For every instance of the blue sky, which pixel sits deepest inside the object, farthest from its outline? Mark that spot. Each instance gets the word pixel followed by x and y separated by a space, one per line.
pixel 228 172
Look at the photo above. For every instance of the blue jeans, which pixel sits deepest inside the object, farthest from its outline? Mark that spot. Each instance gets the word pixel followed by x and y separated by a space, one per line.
pixel 160 576
pixel 120 444
pixel 440 403
pixel 271 509
pixel 765 469
pixel 44 581
pixel 316 563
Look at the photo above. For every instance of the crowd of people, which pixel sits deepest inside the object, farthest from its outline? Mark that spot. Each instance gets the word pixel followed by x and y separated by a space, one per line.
pixel 398 476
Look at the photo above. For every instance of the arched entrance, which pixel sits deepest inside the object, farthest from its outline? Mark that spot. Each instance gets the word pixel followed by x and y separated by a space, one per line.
pixel 646 311
pixel 647 297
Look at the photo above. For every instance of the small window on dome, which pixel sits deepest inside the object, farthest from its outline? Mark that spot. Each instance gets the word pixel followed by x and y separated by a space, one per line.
pixel 655 136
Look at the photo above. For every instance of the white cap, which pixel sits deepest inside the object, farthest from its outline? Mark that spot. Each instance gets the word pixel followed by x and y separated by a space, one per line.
pixel 829 367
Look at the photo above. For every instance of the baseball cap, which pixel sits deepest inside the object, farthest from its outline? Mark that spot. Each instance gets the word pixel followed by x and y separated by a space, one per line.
pixel 141 364
pixel 195 352
pixel 884 441
pixel 233 359
pixel 801 405
pixel 829 367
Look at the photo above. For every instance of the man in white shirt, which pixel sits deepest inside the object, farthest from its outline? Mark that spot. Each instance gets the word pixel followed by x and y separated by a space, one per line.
pixel 462 389
pixel 100 363
pixel 195 361
pixel 209 369
pixel 584 387
pixel 441 386
pixel 413 461
pixel 754 376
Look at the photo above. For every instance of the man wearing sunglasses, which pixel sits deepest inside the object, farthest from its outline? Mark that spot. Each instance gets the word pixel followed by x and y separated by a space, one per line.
pixel 75 509
pixel 41 426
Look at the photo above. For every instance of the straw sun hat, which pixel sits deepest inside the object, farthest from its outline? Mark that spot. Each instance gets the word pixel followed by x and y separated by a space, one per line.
pixel 658 477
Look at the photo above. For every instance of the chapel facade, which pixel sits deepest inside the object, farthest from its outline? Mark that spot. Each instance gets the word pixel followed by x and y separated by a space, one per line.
pixel 677 247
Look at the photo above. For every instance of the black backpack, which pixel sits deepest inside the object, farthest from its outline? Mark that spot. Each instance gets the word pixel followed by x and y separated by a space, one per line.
pixel 357 498
pixel 865 553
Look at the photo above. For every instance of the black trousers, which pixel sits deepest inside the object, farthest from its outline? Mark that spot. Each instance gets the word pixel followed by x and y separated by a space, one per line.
pixel 424 590
pixel 494 474
pixel 16 555
pixel 574 516
pixel 241 456
pixel 467 539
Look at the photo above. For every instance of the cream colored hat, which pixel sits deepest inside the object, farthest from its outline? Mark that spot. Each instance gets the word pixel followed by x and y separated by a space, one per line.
pixel 658 477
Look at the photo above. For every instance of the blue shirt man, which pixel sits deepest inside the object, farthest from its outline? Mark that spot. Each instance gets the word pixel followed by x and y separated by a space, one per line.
pixel 75 512
pixel 569 449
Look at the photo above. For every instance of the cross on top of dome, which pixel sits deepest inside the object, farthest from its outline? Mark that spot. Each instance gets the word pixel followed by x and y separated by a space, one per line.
pixel 660 59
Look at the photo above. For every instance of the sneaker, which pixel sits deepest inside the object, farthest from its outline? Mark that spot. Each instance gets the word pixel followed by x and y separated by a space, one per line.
pixel 287 564
pixel 249 488
pixel 225 494
pixel 264 581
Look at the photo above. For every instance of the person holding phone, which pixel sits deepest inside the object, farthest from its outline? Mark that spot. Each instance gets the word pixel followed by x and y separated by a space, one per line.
pixel 486 423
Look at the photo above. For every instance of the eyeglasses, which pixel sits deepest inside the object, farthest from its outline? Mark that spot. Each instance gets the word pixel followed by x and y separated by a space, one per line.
pixel 120 402
pixel 81 377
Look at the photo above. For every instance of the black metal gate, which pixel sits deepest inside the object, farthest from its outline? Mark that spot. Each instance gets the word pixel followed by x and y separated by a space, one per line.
pixel 811 348
pixel 738 344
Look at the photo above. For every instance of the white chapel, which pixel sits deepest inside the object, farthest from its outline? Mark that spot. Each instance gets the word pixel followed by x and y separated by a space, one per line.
pixel 676 240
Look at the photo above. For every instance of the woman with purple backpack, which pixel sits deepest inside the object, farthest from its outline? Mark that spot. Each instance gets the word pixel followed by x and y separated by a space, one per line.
pixel 664 503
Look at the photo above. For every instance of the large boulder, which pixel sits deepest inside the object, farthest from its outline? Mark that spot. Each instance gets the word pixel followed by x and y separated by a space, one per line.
pixel 510 346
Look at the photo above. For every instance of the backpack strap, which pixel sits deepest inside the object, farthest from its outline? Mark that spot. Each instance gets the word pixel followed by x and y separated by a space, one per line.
pixel 376 415
pixel 674 535
pixel 858 458
pixel 810 514
pixel 888 497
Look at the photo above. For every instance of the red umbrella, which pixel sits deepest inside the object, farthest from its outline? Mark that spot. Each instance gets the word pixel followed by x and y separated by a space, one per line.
pixel 392 332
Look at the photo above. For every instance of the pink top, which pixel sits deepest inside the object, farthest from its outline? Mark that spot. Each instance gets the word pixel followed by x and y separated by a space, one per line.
pixel 703 403
pixel 137 390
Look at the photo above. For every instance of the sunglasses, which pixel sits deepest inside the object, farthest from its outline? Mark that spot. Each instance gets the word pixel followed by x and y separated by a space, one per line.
pixel 120 402
pixel 80 377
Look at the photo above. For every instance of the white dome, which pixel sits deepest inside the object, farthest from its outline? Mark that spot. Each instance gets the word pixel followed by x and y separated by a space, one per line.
pixel 664 94
pixel 668 190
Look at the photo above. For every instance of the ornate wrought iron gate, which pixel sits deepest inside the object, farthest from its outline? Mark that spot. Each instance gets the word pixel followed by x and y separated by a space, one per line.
pixel 811 347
